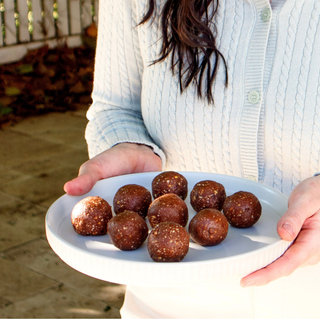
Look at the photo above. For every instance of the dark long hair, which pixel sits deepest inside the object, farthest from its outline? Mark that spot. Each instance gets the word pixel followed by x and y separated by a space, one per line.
pixel 187 36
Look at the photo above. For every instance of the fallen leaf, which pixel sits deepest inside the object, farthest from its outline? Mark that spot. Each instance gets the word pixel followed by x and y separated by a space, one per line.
pixel 78 88
pixel 5 110
pixel 92 30
pixel 12 91
pixel 24 68
pixel 6 101
pixel 46 80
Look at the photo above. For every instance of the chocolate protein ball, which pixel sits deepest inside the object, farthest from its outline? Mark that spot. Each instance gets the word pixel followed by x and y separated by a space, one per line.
pixel 132 197
pixel 127 230
pixel 168 207
pixel 208 227
pixel 242 209
pixel 90 216
pixel 168 242
pixel 170 182
pixel 207 194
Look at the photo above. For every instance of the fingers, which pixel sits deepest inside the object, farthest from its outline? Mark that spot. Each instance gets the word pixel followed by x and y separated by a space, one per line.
pixel 123 158
pixel 303 203
pixel 267 274
pixel 282 267
pixel 303 252
pixel 312 261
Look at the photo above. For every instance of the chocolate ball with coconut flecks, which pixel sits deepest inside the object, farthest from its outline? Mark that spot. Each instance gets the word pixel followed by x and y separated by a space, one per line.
pixel 207 194
pixel 168 207
pixel 242 209
pixel 208 227
pixel 168 242
pixel 170 182
pixel 90 216
pixel 132 197
pixel 127 230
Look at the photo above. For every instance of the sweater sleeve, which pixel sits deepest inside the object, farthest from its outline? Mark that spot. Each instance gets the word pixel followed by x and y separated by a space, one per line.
pixel 115 114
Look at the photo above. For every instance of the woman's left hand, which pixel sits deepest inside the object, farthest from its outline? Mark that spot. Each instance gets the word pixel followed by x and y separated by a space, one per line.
pixel 302 223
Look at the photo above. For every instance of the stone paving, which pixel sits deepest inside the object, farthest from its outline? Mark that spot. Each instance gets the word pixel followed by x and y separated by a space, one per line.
pixel 37 156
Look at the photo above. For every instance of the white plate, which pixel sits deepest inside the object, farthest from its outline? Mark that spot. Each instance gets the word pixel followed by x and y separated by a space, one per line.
pixel 242 252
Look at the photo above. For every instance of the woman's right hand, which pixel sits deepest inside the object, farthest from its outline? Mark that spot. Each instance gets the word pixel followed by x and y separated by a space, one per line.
pixel 124 158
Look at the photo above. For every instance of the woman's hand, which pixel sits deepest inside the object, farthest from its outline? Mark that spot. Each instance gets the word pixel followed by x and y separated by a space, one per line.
pixel 123 158
pixel 302 223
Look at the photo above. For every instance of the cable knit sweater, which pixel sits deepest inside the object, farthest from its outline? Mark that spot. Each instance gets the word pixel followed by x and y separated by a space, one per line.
pixel 264 125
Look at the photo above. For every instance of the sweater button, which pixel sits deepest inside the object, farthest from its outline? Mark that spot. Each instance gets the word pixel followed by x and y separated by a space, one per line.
pixel 253 97
pixel 265 14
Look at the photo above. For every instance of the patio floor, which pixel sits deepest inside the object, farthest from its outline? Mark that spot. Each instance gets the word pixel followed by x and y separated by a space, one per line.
pixel 38 155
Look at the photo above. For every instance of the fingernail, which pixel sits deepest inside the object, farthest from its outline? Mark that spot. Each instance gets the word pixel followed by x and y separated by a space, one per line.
pixel 249 284
pixel 288 228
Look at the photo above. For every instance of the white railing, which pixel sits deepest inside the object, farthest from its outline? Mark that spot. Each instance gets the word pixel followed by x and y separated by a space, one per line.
pixel 28 24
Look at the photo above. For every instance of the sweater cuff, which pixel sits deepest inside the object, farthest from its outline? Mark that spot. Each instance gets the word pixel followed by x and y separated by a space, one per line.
pixel 104 134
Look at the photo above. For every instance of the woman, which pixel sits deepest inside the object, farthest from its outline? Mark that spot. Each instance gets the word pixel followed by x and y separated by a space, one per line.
pixel 230 87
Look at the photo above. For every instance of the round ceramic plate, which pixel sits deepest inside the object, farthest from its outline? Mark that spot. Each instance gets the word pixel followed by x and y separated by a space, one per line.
pixel 242 252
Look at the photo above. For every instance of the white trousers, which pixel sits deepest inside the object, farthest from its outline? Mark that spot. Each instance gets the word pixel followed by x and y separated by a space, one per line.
pixel 293 297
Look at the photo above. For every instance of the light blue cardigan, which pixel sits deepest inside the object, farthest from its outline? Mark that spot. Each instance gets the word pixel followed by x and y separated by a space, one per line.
pixel 265 125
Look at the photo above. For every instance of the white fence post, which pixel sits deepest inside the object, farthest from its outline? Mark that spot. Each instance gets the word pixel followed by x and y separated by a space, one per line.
pixel 71 18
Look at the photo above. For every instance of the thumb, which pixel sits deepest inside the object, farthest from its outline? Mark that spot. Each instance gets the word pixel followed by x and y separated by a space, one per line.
pixel 302 204
pixel 287 231
pixel 290 224
pixel 80 185
pixel 85 181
